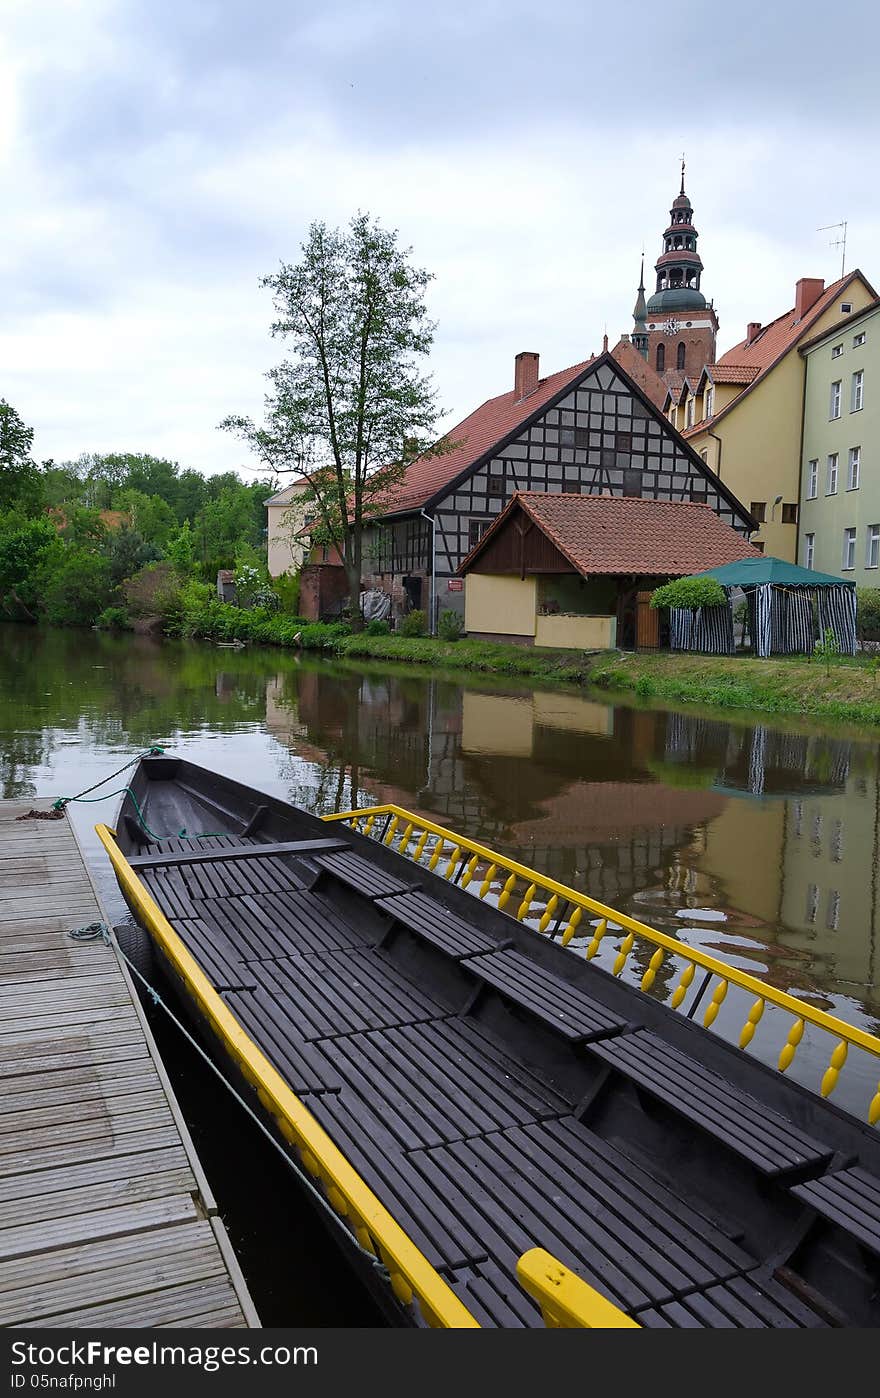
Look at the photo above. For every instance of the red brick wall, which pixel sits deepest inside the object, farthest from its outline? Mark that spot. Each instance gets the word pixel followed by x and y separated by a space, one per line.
pixel 699 350
pixel 322 586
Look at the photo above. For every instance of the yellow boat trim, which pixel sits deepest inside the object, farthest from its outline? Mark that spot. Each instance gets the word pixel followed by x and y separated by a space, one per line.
pixel 464 857
pixel 567 1302
pixel 375 1228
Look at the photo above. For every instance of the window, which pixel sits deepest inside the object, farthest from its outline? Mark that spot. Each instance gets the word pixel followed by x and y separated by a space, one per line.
pixel 831 481
pixel 834 409
pixel 759 545
pixel 758 510
pixel 859 339
pixel 710 401
pixel 809 549
pixel 813 478
pixel 789 514
pixel 571 487
pixel 858 391
pixel 855 463
pixel 689 412
pixel 661 358
pixel 476 530
pixel 496 485
pixel 680 355
pixel 622 440
pixel 582 437
pixel 872 550
pixel 836 351
pixel 632 482
pixel 846 308
pixel 849 549
pixel 704 455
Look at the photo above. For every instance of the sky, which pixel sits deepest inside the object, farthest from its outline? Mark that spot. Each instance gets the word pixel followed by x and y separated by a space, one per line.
pixel 157 157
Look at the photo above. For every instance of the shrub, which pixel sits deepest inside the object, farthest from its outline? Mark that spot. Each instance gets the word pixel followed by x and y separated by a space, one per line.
pixel 414 624
pixel 77 591
pixel 377 627
pixel 644 686
pixel 113 619
pixel 690 594
pixel 287 590
pixel 450 626
pixel 868 613
pixel 150 591
pixel 827 649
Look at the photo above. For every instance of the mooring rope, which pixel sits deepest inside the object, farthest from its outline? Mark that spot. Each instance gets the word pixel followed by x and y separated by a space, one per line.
pixel 99 931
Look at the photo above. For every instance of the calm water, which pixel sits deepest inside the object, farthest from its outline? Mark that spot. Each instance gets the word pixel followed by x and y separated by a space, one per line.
pixel 754 839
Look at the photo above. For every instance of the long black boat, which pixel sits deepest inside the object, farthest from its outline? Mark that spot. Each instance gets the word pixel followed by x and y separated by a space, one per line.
pixel 516 1135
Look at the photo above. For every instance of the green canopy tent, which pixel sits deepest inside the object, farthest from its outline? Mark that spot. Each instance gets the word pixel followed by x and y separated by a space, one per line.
pixel 780 599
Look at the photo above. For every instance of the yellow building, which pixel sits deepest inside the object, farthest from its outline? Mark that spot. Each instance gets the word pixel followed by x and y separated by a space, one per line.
pixel 287 513
pixel 744 414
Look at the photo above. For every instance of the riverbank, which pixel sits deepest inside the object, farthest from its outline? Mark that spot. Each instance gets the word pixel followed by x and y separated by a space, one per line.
pixel 850 691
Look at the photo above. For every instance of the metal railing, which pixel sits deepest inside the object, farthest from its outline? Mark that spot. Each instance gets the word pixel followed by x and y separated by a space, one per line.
pixel 557 909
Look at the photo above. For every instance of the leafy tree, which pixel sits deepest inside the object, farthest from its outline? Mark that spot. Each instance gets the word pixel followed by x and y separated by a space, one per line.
pixel 232 518
pixel 19 479
pixel 190 495
pixel 83 528
pixel 180 550
pixel 341 408
pixel 63 487
pixel 76 591
pixel 151 515
pixel 28 548
pixel 127 551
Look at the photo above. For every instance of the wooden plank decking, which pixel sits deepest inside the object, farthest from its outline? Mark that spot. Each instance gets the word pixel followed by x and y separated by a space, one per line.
pixel 106 1218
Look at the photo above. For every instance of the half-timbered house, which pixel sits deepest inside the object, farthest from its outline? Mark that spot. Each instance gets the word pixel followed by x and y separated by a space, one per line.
pixel 591 429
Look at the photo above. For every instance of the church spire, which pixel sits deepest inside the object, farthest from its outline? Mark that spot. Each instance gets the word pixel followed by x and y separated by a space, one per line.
pixel 640 317
pixel 678 267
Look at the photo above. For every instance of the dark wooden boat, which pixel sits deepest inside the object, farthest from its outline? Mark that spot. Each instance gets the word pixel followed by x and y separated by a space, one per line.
pixel 519 1136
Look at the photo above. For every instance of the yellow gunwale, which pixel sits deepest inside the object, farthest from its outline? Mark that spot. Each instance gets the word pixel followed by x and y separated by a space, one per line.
pixel 410 1271
pixel 848 1034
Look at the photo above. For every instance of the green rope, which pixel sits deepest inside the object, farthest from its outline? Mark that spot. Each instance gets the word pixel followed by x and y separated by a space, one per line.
pixel 153 751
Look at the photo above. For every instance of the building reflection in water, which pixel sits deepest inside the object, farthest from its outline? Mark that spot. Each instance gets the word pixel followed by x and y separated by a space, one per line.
pixel 655 812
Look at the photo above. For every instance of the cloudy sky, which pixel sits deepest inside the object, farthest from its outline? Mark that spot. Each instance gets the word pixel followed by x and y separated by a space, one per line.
pixel 158 156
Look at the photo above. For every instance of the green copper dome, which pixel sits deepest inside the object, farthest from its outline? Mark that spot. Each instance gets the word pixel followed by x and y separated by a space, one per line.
pixel 676 298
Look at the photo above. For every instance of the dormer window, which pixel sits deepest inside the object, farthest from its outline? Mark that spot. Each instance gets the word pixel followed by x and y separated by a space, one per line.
pixel 689 412
pixel 709 400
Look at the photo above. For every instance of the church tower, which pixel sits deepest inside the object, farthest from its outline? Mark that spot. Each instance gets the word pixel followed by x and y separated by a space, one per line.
pixel 681 324
pixel 639 335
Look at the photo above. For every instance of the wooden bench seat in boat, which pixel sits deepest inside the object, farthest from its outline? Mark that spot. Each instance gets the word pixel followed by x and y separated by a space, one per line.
pixel 305 1067
pixel 848 1198
pixel 554 1184
pixel 743 1303
pixel 742 1123
pixel 250 849
pixel 362 875
pixel 524 984
pixel 430 921
pixel 271 926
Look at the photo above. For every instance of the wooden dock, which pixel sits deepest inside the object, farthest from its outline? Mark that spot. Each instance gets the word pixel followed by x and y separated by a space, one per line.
pixel 106 1217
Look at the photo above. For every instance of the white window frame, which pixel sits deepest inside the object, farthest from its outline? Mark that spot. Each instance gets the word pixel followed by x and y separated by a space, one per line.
pixel 849 549
pixel 859 340
pixel 857 391
pixel 689 413
pixel 854 468
pixel 872 546
pixel 709 401
pixel 836 351
pixel 813 478
pixel 809 550
pixel 832 472
pixel 836 400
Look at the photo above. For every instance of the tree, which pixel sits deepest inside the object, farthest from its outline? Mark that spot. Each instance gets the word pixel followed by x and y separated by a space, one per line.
pixel 19 479
pixel 127 552
pixel 76 591
pixel 340 409
pixel 27 549
pixel 690 594
pixel 151 515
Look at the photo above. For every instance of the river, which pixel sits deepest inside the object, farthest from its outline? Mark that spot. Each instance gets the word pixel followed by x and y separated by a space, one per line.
pixel 753 838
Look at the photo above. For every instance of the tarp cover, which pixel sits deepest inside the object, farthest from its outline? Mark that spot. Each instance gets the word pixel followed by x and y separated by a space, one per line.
pixel 752 572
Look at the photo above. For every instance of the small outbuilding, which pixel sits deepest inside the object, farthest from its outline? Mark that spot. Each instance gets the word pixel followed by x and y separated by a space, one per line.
pixel 577 571
pixel 790 608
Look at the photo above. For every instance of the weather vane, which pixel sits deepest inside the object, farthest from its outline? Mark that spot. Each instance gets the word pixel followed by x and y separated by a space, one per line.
pixel 837 242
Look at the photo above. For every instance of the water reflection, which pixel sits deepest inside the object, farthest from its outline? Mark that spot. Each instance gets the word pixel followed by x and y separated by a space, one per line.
pixel 774 828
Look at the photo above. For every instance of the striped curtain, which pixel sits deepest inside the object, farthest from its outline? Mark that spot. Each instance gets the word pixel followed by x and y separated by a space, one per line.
pixel 711 631
pixel 837 612
pixel 763 631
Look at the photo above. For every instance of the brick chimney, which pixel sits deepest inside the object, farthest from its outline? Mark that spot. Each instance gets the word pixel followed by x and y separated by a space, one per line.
pixel 753 329
pixel 525 375
pixel 806 294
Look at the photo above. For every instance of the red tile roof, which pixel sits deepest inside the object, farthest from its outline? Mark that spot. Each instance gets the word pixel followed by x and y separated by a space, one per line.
pixel 732 373
pixel 626 534
pixel 640 371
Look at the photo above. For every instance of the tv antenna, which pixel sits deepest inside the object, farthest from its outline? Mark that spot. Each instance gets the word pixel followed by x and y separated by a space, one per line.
pixel 837 242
